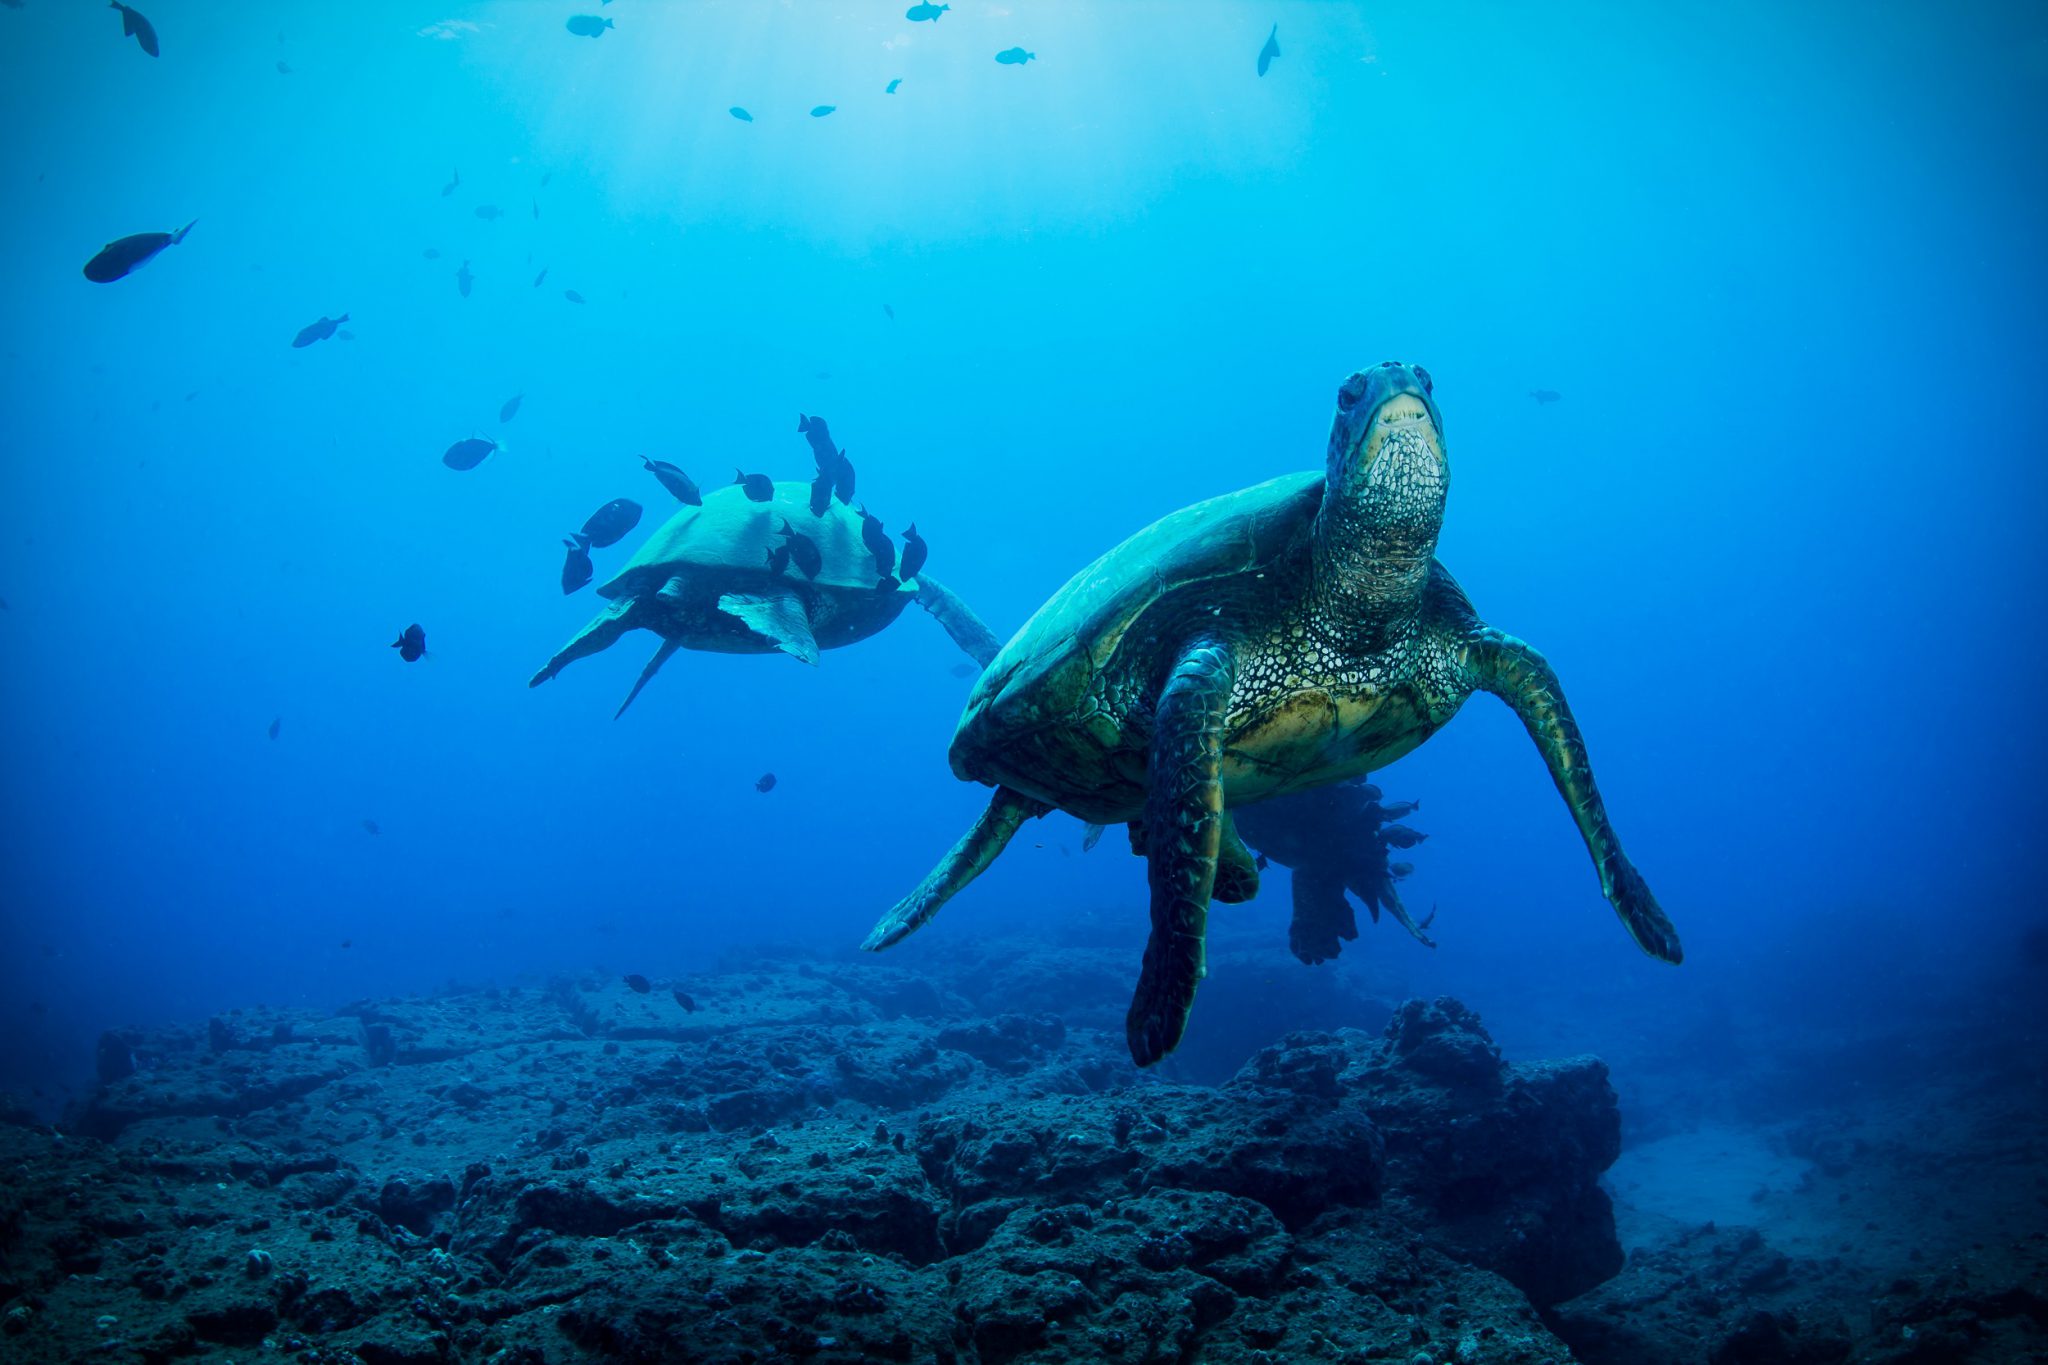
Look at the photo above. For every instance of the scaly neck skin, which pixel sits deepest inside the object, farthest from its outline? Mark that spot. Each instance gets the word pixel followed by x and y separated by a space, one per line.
pixel 1375 536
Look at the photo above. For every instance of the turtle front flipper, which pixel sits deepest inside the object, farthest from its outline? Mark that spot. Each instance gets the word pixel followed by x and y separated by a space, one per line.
pixel 601 633
pixel 1322 915
pixel 1183 833
pixel 981 845
pixel 1512 670
pixel 958 618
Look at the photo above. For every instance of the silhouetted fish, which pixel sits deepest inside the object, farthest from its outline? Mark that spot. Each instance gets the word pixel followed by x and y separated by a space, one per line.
pixel 890 311
pixel 576 568
pixel 803 551
pixel 877 540
pixel 588 25
pixel 823 451
pixel 821 493
pixel 1014 56
pixel 915 552
pixel 1543 396
pixel 964 670
pixel 463 279
pixel 765 783
pixel 675 481
pixel 689 1005
pixel 129 254
pixel 283 70
pixel 536 210
pixel 370 827
pixel 608 523
pixel 509 409
pixel 432 253
pixel 820 110
pixel 489 212
pixel 468 454
pixel 572 296
pixel 144 31
pixel 842 480
pixel 450 187
pixel 891 89
pixel 778 559
pixel 538 278
pixel 1270 50
pixel 742 115
pixel 638 984
pixel 411 643
pixel 1401 836
pixel 924 10
pixel 318 331
pixel 276 724
pixel 760 488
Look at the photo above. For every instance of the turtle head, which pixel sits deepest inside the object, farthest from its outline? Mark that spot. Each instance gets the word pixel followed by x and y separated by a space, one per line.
pixel 1387 476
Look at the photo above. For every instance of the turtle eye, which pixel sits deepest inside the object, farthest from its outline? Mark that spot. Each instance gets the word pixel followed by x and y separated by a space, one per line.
pixel 1353 390
pixel 1428 384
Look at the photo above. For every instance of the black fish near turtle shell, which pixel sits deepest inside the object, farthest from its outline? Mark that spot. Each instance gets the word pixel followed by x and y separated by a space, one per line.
pixel 759 487
pixel 133 24
pixel 611 522
pixel 878 543
pixel 411 643
pixel 803 551
pixel 679 484
pixel 915 552
pixel 576 568
pixel 821 493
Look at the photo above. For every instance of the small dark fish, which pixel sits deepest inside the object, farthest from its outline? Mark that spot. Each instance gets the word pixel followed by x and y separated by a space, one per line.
pixel 432 253
pixel 760 488
pixel 842 482
pixel 802 549
pixel 887 583
pixel 129 254
pixel 489 212
pixel 283 70
pixel 823 452
pixel 924 10
pixel 348 943
pixel 463 279
pixel 1270 50
pixel 536 210
pixel 276 724
pixel 674 480
pixel 877 540
pixel 370 827
pixel 450 187
pixel 965 670
pixel 639 984
pixel 765 782
pixel 509 409
pixel 821 493
pixel 318 331
pixel 572 296
pixel 820 110
pixel 689 1005
pixel 1401 836
pixel 1399 809
pixel 612 521
pixel 411 643
pixel 915 552
pixel 742 115
pixel 891 89
pixel 538 278
pixel 890 311
pixel 133 23
pixel 778 560
pixel 1400 870
pixel 588 25
pixel 468 454
pixel 1014 56
pixel 576 568
pixel 1543 396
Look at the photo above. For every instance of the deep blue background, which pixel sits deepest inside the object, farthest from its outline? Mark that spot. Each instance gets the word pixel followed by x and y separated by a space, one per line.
pixel 1780 536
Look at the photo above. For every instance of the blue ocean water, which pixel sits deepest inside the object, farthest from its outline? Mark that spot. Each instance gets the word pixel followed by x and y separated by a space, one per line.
pixel 1779 532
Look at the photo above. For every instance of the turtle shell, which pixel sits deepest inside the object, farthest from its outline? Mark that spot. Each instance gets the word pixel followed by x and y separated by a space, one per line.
pixel 732 534
pixel 1041 686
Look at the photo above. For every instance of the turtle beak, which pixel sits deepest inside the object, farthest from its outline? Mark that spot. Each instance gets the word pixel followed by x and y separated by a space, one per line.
pixel 1408 421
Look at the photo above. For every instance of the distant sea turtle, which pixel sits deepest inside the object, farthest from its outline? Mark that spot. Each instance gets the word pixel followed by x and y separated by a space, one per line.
pixel 1286 636
pixel 722 577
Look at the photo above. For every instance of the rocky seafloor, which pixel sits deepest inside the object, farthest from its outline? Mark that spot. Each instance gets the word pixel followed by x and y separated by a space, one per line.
pixel 837 1160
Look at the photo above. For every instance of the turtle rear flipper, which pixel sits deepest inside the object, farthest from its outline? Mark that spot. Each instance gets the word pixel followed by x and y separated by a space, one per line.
pixel 654 664
pixel 1007 810
pixel 777 617
pixel 1183 833
pixel 1322 915
pixel 1237 869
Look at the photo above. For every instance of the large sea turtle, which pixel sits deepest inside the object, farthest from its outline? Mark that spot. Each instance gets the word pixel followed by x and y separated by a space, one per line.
pixel 1293 634
pixel 722 577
